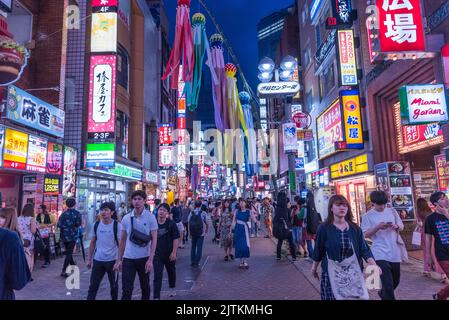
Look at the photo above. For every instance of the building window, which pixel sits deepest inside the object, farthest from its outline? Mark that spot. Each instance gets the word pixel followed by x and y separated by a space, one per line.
pixel 20 23
pixel 327 81
pixel 318 36
pixel 309 101
pixel 122 134
pixel 148 139
pixel 123 67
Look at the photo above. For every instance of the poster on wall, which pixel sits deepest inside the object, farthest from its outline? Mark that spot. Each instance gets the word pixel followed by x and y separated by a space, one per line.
pixel 329 130
pixel 37 154
pixel 54 158
pixel 33 112
pixel 69 177
pixel 15 151
pixel 101 118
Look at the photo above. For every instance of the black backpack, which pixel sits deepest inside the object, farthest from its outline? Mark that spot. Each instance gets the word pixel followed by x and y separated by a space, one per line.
pixel 313 221
pixel 196 224
pixel 115 230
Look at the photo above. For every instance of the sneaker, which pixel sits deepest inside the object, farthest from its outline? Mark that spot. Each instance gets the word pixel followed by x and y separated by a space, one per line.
pixel 172 292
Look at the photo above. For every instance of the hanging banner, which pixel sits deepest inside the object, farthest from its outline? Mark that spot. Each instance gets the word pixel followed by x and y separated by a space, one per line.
pixel 26 109
pixel 101 123
pixel 347 64
pixel 16 147
pixel 54 158
pixel 69 182
pixel 104 31
pixel 290 140
pixel 442 168
pixel 299 164
pixel 350 167
pixel 37 154
pixel 342 12
pixel 165 134
pixel 423 104
pixel 100 155
pixel 2 143
pixel 304 135
pixel 352 119
pixel 400 25
pixel 52 185
pixel 166 156
pixel 329 130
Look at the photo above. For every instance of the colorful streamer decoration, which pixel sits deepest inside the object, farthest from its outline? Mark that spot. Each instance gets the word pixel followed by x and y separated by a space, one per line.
pixel 182 48
pixel 217 68
pixel 235 112
pixel 250 140
pixel 201 48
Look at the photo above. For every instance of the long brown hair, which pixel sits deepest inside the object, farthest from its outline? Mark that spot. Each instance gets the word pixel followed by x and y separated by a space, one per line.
pixel 423 208
pixel 10 214
pixel 28 210
pixel 339 199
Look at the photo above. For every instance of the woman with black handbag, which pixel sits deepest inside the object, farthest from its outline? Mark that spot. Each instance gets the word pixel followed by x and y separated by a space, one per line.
pixel 282 226
pixel 46 222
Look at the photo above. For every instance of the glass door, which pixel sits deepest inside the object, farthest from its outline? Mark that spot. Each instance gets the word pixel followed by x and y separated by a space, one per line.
pixel 353 202
pixel 361 199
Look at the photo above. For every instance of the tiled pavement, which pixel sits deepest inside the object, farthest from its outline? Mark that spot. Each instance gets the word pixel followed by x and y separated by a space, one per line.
pixel 266 279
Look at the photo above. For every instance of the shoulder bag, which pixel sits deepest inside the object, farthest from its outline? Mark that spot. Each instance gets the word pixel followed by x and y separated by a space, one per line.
pixel 138 238
pixel 399 240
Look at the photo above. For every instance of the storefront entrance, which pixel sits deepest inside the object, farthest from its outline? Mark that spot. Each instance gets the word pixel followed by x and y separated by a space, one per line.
pixel 356 195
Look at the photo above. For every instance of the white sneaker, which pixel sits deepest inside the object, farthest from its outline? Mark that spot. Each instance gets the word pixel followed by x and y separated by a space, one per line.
pixel 171 292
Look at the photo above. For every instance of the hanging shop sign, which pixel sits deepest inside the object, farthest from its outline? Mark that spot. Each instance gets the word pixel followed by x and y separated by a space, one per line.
pixel 318 178
pixel 423 103
pixel 100 155
pixel 29 183
pixel 304 135
pixel 278 89
pixel 350 167
pixel 445 59
pixel 69 173
pixel 442 168
pixel 101 123
pixel 104 29
pixel 352 119
pixel 123 171
pixel 325 48
pixel 15 150
pixel 347 64
pixel 299 164
pixel 329 130
pixel 400 25
pixel 54 158
pixel 166 156
pixel 289 137
pixel 52 185
pixel 104 3
pixel 32 112
pixel 303 120
pixel 2 143
pixel 151 177
pixel 165 134
pixel 342 12
pixel 37 154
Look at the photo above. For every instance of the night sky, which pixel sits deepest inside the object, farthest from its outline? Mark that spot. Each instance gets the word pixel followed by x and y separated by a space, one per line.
pixel 238 20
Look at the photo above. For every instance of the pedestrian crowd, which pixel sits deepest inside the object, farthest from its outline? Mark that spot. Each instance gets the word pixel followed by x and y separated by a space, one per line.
pixel 135 242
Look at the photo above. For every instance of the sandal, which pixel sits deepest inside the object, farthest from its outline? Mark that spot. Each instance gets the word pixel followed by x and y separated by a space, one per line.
pixel 246 266
pixel 242 265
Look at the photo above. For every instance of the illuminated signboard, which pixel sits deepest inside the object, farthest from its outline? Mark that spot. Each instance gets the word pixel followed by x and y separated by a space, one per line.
pixel 442 168
pixel 352 119
pixel 100 155
pixel 342 12
pixel 2 143
pixel 165 134
pixel 166 156
pixel 15 151
pixel 54 158
pixel 35 113
pixel 423 104
pixel 101 123
pixel 347 58
pixel 350 167
pixel 123 171
pixel 329 130
pixel 51 185
pixel 400 25
pixel 69 183
pixel 290 138
pixel 37 154
pixel 104 32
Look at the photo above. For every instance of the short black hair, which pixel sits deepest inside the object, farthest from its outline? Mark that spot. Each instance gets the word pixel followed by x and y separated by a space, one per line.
pixel 198 204
pixel 436 196
pixel 176 202
pixel 165 206
pixel 43 207
pixel 204 208
pixel 70 202
pixel 108 204
pixel 379 197
pixel 139 193
pixel 157 202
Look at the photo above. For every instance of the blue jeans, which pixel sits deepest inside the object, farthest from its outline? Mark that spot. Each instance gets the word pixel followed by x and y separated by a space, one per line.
pixel 254 228
pixel 309 247
pixel 197 250
pixel 297 235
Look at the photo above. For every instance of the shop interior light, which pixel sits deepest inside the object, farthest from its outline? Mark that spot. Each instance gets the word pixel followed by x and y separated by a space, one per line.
pixel 288 63
pixel 266 65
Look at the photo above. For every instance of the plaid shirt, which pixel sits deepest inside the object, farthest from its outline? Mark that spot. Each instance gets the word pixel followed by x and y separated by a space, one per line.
pixel 68 223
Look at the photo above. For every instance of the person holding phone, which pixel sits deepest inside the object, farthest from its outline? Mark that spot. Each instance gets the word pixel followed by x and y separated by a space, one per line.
pixel 381 224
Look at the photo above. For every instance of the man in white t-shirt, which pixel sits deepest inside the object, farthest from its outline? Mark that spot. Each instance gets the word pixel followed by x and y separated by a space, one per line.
pixel 103 250
pixel 138 243
pixel 381 225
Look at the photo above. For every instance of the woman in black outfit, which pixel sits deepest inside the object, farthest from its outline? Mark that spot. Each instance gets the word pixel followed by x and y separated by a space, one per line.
pixel 283 214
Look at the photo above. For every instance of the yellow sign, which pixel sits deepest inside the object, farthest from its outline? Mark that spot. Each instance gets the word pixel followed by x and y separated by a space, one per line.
pixel 16 148
pixel 350 167
pixel 352 119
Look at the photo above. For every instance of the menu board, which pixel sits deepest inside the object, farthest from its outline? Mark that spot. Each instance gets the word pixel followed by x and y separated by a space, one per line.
pixel 37 154
pixel 395 179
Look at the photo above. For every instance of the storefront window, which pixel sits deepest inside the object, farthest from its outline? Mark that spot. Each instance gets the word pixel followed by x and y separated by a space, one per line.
pixel 120 186
pixel 91 183
pixel 82 182
pixel 102 184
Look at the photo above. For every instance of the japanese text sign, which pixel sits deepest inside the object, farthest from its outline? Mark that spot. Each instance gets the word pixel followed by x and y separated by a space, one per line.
pixel 102 94
pixel 37 154
pixel 352 119
pixel 442 167
pixel 166 134
pixel 347 59
pixel 54 158
pixel 166 156
pixel 69 183
pixel 423 132
pixel 100 155
pixel 350 167
pixel 51 185
pixel 423 103
pixel 342 12
pixel 329 130
pixel 16 147
pixel 400 25
pixel 32 112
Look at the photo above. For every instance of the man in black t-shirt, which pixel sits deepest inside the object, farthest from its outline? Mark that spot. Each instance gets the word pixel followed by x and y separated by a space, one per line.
pixel 167 245
pixel 437 225
pixel 176 216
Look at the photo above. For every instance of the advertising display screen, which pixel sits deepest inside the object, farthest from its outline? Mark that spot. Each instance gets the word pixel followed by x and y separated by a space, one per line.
pixel 37 154
pixel 329 130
